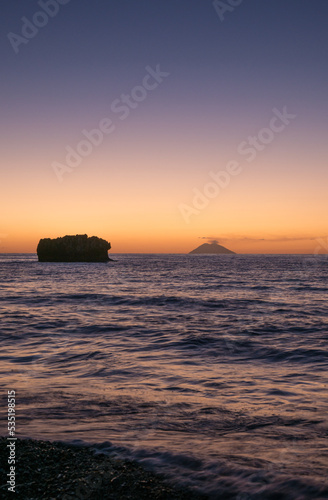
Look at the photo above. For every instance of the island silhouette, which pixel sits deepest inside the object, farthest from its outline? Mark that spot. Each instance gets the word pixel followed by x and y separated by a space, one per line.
pixel 78 248
pixel 211 248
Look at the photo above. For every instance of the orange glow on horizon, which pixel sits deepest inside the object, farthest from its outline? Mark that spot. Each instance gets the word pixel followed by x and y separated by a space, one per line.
pixel 131 197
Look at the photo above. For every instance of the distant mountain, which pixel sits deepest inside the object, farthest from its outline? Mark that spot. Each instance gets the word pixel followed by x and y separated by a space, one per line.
pixel 211 248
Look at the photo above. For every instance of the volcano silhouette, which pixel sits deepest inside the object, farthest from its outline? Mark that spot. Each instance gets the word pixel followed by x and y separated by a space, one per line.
pixel 211 248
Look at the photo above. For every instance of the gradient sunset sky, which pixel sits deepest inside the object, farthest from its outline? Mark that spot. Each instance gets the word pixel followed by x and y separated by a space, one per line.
pixel 224 76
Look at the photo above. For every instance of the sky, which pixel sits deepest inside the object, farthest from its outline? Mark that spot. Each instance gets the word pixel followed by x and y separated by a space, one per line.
pixel 159 124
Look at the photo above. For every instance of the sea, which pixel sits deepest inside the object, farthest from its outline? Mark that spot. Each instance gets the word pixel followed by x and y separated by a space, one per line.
pixel 209 369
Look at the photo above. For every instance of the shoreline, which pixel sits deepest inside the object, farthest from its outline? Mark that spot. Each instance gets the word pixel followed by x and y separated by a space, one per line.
pixel 55 470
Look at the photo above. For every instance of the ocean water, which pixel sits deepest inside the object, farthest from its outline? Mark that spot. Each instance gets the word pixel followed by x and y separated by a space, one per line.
pixel 209 369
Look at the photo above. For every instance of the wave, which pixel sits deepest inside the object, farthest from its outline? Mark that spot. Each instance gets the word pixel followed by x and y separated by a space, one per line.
pixel 232 476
